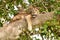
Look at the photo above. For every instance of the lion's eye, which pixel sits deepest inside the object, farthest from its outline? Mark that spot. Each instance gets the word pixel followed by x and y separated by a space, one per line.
pixel 33 16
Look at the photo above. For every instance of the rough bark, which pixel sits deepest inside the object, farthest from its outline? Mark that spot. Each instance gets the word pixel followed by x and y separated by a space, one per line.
pixel 13 29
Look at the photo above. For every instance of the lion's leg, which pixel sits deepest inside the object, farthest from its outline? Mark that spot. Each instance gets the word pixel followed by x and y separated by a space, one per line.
pixel 28 18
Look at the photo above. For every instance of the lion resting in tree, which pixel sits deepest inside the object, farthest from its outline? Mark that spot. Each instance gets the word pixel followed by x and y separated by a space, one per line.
pixel 21 22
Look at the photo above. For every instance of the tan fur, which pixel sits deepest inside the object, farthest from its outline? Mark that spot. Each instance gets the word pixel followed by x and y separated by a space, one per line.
pixel 26 15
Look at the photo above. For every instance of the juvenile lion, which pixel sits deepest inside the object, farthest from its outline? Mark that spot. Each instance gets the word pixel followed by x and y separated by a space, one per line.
pixel 28 15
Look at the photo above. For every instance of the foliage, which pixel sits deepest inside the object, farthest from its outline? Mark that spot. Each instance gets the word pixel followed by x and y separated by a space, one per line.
pixel 8 7
pixel 24 36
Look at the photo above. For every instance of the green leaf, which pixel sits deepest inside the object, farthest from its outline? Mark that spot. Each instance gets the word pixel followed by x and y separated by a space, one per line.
pixel 19 1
